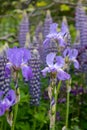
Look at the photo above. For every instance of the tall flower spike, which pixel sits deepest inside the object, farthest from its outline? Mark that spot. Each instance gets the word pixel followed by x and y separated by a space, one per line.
pixel 28 41
pixel 81 25
pixel 81 22
pixel 39 32
pixel 47 23
pixel 4 81
pixel 35 83
pixel 24 29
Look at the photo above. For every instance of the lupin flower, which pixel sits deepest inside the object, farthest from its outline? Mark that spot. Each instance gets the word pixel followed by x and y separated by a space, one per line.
pixel 18 58
pixel 58 36
pixel 6 101
pixel 72 54
pixel 55 67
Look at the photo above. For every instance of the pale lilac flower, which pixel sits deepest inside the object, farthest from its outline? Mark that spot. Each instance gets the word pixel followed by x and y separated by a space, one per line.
pixel 18 58
pixel 72 55
pixel 55 67
pixel 54 35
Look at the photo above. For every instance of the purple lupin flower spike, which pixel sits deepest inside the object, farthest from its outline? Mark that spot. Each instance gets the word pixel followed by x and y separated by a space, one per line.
pixel 81 22
pixel 24 29
pixel 39 32
pixel 34 83
pixel 4 81
pixel 47 23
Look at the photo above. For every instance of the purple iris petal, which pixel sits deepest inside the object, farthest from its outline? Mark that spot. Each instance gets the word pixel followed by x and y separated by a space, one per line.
pixel 11 96
pixel 50 58
pixel 45 71
pixel 10 99
pixel 76 64
pixel 8 69
pixel 26 55
pixel 66 52
pixel 73 53
pixel 53 28
pixel 27 72
pixel 64 28
pixel 62 75
pixel 61 42
pixel 2 109
pixel 15 56
pixel 46 42
pixel 60 61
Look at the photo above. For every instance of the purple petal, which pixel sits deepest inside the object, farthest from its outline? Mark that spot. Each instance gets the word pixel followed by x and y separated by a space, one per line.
pixel 8 69
pixel 67 52
pixel 11 96
pixel 26 55
pixel 15 56
pixel 10 99
pixel 76 64
pixel 45 71
pixel 50 58
pixel 62 75
pixel 53 28
pixel 61 42
pixel 27 72
pixel 46 42
pixel 73 53
pixel 64 28
pixel 2 109
pixel 60 61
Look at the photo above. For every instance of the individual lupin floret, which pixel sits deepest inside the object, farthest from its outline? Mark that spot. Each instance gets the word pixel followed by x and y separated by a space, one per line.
pixel 47 23
pixel 24 29
pixel 34 83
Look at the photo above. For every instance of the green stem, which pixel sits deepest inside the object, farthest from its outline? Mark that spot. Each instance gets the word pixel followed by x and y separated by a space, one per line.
pixel 1 128
pixel 15 115
pixel 56 98
pixel 17 99
pixel 67 107
pixel 34 125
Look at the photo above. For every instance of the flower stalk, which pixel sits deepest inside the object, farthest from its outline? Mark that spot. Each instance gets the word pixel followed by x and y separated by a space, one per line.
pixel 53 95
pixel 17 100
pixel 68 101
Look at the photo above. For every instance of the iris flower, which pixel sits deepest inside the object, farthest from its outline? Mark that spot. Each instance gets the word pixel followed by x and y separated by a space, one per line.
pixel 53 34
pixel 7 101
pixel 72 54
pixel 18 58
pixel 55 67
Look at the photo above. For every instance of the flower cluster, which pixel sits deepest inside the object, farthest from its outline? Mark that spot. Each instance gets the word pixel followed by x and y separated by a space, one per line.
pixel 18 58
pixel 7 101
pixel 69 56
pixel 56 36
pixel 56 67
